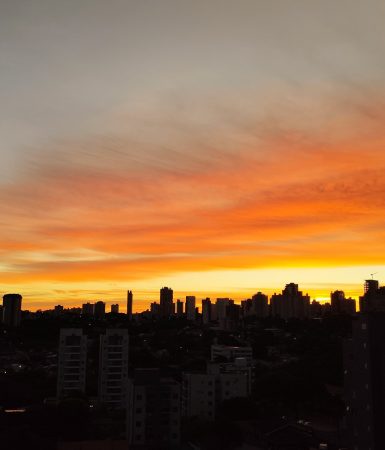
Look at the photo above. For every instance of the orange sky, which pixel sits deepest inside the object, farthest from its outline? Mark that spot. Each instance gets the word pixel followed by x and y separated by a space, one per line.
pixel 286 197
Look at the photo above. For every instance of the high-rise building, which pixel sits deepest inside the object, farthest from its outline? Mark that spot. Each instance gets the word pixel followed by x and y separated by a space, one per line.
pixel 166 302
pixel 100 310
pixel 190 307
pixel 115 309
pixel 220 308
pixel 113 368
pixel 88 309
pixel 12 309
pixel 154 410
pixel 129 304
pixel 206 311
pixel 336 299
pixel 179 308
pixel 292 303
pixel 364 383
pixel 373 298
pixel 72 362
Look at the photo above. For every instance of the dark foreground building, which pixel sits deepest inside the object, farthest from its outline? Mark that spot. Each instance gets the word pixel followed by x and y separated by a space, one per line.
pixel 364 373
pixel 12 309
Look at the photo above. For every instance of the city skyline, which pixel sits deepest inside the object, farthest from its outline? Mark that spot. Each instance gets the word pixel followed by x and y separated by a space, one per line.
pixel 215 147
pixel 139 305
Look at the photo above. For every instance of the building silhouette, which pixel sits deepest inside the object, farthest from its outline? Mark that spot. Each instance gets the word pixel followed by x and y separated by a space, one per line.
pixel 364 382
pixel 373 298
pixel 292 303
pixel 115 309
pixel 342 305
pixel 72 362
pixel 166 308
pixel 88 309
pixel 190 307
pixel 100 310
pixel 12 309
pixel 179 308
pixel 154 410
pixel 129 304
pixel 113 368
pixel 206 311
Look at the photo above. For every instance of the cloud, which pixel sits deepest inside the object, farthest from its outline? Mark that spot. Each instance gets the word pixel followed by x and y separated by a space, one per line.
pixel 230 187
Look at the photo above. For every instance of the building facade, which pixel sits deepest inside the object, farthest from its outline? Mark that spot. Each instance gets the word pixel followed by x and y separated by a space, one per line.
pixel 113 368
pixel 72 362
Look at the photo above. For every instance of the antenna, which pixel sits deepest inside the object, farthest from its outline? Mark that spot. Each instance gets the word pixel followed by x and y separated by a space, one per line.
pixel 375 273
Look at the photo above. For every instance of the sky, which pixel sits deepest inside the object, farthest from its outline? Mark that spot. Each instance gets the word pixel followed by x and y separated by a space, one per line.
pixel 217 147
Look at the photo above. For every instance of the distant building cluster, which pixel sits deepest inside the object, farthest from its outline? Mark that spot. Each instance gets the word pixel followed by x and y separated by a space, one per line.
pixel 155 403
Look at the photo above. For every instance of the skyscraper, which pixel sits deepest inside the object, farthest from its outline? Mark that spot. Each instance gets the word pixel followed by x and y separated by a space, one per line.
pixel 179 308
pixel 129 304
pixel 100 309
pixel 190 307
pixel 206 311
pixel 12 309
pixel 166 303
pixel 72 362
pixel 113 368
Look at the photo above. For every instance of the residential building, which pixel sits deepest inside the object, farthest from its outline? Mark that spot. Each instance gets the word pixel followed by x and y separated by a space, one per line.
pixel 154 410
pixel 113 368
pixel 364 383
pixel 72 362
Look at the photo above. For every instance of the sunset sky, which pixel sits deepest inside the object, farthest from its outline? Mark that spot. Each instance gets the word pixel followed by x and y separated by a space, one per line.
pixel 217 147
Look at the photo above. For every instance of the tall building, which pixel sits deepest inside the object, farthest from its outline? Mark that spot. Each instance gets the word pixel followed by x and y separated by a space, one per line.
pixel 100 310
pixel 154 410
pixel 129 304
pixel 72 362
pixel 221 306
pixel 190 307
pixel 292 303
pixel 166 302
pixel 257 306
pixel 206 311
pixel 179 308
pixel 336 299
pixel 12 309
pixel 373 298
pixel 88 309
pixel 364 383
pixel 113 368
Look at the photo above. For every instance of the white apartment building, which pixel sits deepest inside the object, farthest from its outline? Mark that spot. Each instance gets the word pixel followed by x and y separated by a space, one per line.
pixel 113 368
pixel 72 362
